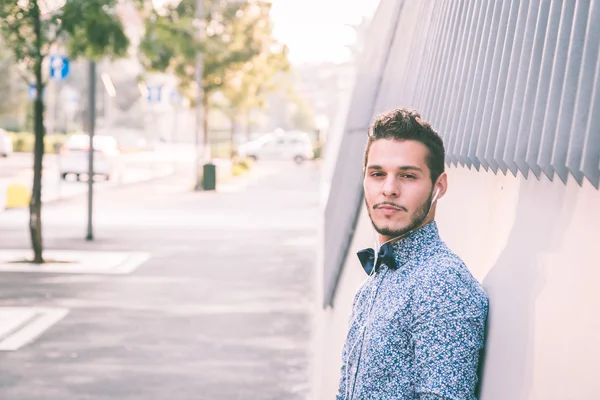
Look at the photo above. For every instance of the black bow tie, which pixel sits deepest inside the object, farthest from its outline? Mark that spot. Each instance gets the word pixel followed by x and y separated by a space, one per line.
pixel 384 256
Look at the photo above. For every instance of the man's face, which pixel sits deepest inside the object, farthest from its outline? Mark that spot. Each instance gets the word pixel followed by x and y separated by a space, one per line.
pixel 398 187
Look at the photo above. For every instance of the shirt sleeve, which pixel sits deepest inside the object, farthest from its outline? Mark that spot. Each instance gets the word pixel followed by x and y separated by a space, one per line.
pixel 448 337
pixel 342 388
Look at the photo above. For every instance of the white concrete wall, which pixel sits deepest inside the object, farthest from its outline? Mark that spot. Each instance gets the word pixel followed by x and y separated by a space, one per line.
pixel 535 246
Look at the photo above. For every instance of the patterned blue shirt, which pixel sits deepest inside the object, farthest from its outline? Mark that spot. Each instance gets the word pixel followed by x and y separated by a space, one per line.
pixel 415 332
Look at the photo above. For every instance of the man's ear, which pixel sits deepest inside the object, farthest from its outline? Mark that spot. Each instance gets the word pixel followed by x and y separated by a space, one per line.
pixel 442 185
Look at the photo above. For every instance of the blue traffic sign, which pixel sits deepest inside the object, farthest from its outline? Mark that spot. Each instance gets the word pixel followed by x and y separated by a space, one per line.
pixel 59 67
pixel 154 94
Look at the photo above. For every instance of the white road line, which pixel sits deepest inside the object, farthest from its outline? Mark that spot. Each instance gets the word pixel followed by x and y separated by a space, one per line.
pixel 131 263
pixel 12 318
pixel 43 320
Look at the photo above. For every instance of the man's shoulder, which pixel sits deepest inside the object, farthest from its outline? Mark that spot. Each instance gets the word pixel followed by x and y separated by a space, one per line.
pixel 443 274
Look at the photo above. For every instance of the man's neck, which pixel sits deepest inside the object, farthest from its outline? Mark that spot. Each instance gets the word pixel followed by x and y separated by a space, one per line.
pixel 395 239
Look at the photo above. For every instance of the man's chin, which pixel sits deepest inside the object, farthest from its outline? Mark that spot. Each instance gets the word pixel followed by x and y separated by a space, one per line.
pixel 391 230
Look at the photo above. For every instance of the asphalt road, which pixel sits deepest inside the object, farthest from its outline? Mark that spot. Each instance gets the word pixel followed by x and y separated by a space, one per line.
pixel 221 310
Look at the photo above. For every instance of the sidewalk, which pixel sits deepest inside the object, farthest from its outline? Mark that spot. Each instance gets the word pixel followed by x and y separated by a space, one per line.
pixel 139 167
pixel 221 309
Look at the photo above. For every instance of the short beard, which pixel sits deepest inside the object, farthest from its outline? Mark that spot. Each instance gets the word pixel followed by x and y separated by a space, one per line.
pixel 417 219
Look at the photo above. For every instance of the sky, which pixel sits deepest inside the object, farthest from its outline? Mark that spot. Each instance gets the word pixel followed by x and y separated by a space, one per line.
pixel 315 30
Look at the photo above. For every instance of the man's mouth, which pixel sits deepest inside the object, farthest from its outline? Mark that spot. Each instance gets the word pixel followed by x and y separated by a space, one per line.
pixel 389 207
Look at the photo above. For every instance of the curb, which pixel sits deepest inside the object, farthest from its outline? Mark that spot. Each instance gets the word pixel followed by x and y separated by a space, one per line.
pixel 64 197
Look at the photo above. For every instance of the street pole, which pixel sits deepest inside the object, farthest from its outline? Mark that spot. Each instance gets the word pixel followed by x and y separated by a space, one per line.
pixel 199 142
pixel 91 127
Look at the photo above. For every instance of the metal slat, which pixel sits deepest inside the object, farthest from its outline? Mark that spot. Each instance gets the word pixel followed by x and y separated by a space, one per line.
pixel 498 135
pixel 431 43
pixel 556 89
pixel 570 88
pixel 450 115
pixel 591 146
pixel 584 94
pixel 450 67
pixel 466 91
pixel 492 83
pixel 431 99
pixel 439 86
pixel 535 80
pixel 521 85
pixel 484 70
pixel 393 90
pixel 544 83
pixel 504 110
pixel 416 56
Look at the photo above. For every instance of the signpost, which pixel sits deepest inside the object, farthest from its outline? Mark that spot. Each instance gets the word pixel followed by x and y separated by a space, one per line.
pixel 91 127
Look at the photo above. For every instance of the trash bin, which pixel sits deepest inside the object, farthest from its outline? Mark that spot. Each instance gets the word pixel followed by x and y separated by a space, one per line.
pixel 209 177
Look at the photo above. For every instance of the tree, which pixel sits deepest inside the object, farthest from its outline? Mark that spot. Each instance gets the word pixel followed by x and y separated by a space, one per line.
pixel 234 36
pixel 33 29
pixel 247 84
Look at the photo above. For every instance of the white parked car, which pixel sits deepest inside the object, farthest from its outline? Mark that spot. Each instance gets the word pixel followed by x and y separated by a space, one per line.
pixel 284 146
pixel 74 156
pixel 6 145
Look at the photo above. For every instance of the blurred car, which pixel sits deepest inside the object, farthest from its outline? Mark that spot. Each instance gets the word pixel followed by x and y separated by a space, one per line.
pixel 6 145
pixel 295 146
pixel 74 156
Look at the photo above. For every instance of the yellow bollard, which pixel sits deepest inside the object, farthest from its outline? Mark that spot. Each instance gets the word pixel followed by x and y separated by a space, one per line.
pixel 17 196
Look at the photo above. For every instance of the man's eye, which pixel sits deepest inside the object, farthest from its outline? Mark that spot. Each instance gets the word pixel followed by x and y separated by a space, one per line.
pixel 376 174
pixel 408 176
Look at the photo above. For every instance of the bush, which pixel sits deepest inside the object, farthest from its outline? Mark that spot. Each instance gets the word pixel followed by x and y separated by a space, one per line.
pixel 240 165
pixel 23 142
pixel 53 143
pixel 244 163
pixel 237 170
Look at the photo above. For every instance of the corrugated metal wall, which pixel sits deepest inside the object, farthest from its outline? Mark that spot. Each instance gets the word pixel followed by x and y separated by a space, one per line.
pixel 512 86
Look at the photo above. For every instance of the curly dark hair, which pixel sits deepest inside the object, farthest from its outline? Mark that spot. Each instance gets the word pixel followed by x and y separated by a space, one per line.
pixel 406 124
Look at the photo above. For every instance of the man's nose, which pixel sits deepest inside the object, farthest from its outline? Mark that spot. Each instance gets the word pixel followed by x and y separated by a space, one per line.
pixel 390 187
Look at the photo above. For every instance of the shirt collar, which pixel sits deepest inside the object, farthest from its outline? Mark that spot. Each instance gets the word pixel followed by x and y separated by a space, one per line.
pixel 416 243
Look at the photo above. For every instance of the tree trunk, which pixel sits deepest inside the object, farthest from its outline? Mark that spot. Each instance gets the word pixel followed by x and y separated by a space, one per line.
pixel 205 127
pixel 247 123
pixel 35 205
pixel 232 151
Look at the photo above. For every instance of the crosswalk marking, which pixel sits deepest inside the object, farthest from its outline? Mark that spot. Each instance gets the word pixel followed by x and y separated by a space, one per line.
pixel 20 326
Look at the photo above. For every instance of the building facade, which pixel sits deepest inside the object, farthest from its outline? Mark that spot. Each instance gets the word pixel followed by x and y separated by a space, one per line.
pixel 513 88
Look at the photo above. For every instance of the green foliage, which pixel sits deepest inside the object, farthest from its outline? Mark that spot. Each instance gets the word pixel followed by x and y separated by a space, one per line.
pixel 94 29
pixel 238 48
pixel 32 29
pixel 248 84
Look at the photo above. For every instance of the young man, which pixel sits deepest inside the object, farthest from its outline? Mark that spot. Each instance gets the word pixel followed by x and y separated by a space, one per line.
pixel 417 325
